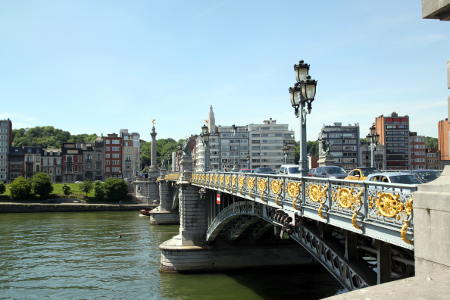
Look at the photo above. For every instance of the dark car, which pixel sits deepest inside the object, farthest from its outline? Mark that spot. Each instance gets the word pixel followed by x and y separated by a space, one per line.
pixel 427 175
pixel 334 172
pixel 246 171
pixel 264 170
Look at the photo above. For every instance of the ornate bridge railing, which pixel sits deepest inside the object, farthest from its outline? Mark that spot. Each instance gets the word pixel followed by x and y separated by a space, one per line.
pixel 379 210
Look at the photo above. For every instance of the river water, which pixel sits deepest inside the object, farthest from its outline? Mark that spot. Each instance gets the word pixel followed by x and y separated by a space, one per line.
pixel 115 255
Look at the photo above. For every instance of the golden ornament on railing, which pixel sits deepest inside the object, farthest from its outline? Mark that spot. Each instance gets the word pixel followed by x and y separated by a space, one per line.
pixel 388 204
pixel 233 182
pixel 221 179
pixel 409 206
pixel 404 231
pixel 346 198
pixel 227 182
pixel 241 182
pixel 250 184
pixel 276 186
pixel 262 186
pixel 293 189
pixel 216 179
pixel 318 193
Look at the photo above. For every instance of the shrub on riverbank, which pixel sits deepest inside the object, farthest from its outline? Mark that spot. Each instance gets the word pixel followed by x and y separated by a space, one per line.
pixel 66 190
pixel 115 189
pixel 86 186
pixel 20 189
pixel 99 191
pixel 42 185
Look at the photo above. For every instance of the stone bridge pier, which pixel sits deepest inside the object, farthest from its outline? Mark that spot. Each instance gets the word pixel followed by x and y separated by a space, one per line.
pixel 189 251
pixel 167 211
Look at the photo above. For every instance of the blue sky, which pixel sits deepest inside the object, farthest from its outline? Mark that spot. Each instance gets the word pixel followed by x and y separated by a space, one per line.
pixel 98 66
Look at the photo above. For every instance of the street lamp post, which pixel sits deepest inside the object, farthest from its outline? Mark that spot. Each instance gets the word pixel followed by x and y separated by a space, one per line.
pixel 205 140
pixel 302 95
pixel 285 152
pixel 373 137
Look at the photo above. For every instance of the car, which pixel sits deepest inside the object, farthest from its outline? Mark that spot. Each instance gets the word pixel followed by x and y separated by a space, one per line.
pixel 394 177
pixel 361 173
pixel 427 175
pixel 289 170
pixel 264 170
pixel 246 171
pixel 333 172
pixel 311 172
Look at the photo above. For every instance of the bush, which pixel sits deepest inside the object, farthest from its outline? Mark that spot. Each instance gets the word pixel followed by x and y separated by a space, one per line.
pixel 2 187
pixel 20 189
pixel 99 191
pixel 66 190
pixel 115 189
pixel 42 185
pixel 86 186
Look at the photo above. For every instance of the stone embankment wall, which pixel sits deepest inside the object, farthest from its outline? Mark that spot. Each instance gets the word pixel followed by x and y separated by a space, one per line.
pixel 66 207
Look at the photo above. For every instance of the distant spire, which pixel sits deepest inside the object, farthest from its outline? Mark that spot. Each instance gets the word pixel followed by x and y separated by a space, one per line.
pixel 211 121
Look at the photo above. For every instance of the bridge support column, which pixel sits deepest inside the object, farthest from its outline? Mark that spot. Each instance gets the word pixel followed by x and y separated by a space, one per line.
pixel 383 262
pixel 164 213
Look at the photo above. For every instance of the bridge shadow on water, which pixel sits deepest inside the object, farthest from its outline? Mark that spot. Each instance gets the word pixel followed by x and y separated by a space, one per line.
pixel 300 282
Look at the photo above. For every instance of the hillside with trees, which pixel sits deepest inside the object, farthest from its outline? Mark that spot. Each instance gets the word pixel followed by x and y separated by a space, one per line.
pixel 48 137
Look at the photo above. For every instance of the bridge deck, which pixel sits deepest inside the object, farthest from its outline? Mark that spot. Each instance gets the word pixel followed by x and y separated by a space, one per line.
pixel 379 210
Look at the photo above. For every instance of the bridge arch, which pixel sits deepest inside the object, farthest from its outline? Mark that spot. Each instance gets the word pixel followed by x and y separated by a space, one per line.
pixel 349 275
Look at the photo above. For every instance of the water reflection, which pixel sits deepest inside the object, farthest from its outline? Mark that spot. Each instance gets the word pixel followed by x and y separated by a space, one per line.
pixel 115 255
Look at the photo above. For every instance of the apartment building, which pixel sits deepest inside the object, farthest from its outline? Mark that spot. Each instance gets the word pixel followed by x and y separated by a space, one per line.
pixel 32 159
pixel 266 142
pixel 417 154
pixel 339 146
pixel 72 162
pixel 131 160
pixel 5 144
pixel 51 163
pixel 394 136
pixel 16 162
pixel 113 155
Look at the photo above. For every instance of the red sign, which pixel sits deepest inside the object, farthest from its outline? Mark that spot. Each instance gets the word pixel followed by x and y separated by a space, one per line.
pixel 218 198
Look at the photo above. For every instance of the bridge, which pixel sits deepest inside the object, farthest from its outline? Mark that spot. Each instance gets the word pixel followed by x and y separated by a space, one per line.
pixel 362 233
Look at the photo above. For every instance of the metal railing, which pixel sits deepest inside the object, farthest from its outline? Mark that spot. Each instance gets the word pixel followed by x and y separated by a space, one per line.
pixel 383 211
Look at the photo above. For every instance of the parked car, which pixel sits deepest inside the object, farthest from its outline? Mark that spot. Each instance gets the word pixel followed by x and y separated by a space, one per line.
pixel 427 175
pixel 246 171
pixel 264 170
pixel 289 170
pixel 395 177
pixel 360 173
pixel 312 172
pixel 334 172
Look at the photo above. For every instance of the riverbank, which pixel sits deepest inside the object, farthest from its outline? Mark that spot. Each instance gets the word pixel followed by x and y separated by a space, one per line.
pixel 29 207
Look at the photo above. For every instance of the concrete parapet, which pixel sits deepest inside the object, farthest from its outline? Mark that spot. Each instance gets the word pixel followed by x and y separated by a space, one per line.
pixel 432 225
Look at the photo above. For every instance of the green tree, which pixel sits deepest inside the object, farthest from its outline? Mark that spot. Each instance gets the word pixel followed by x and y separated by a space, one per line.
pixel 20 189
pixel 116 189
pixel 86 186
pixel 99 191
pixel 48 137
pixel 66 190
pixel 2 187
pixel 431 142
pixel 42 185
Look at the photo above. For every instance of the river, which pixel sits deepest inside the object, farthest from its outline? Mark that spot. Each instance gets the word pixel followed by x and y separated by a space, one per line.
pixel 115 255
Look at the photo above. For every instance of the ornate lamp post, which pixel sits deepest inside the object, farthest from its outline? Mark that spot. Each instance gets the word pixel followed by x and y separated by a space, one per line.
pixel 285 152
pixel 373 137
pixel 302 95
pixel 205 140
